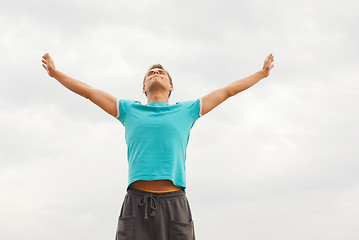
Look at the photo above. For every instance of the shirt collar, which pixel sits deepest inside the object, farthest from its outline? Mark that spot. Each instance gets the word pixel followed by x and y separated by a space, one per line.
pixel 157 104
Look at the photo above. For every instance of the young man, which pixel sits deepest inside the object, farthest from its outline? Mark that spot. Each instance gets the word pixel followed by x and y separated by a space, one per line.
pixel 157 133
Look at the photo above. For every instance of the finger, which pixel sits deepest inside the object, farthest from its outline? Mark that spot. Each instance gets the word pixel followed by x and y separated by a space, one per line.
pixel 44 66
pixel 44 61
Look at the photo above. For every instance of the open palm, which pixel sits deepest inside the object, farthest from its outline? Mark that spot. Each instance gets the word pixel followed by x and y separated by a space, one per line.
pixel 267 66
pixel 48 64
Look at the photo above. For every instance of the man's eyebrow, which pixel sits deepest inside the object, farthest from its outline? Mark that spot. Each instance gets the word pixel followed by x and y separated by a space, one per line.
pixel 158 69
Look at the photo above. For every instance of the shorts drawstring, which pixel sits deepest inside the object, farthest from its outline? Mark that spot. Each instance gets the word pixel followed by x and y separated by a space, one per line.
pixel 153 205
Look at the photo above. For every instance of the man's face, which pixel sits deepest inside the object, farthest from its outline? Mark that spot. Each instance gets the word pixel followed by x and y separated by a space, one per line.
pixel 157 78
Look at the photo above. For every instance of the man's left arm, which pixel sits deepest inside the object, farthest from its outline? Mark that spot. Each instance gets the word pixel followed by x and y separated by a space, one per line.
pixel 213 99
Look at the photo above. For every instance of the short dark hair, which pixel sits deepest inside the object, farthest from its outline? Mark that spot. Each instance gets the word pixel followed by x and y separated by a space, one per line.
pixel 160 67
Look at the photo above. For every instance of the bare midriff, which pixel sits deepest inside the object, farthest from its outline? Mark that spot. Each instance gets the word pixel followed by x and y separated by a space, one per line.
pixel 156 185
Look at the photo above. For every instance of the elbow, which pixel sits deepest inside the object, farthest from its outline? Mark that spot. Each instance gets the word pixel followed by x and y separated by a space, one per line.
pixel 232 92
pixel 229 92
pixel 86 93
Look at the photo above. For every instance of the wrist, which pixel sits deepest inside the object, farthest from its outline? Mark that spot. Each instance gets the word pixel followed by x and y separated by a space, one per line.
pixel 53 72
pixel 263 73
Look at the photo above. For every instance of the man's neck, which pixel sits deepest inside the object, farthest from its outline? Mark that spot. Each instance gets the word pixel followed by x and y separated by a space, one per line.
pixel 153 97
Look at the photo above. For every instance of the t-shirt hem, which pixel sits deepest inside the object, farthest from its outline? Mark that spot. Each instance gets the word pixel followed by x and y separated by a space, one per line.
pixel 118 108
pixel 151 178
pixel 200 107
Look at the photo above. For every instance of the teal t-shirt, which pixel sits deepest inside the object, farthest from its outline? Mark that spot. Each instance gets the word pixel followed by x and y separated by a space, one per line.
pixel 157 136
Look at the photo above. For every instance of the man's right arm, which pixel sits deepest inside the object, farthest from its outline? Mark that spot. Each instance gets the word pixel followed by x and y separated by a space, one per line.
pixel 102 99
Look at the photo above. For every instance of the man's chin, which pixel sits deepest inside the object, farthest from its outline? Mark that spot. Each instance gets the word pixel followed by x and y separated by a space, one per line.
pixel 156 81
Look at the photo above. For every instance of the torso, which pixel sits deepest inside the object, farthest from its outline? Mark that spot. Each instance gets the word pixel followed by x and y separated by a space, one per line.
pixel 152 125
pixel 156 185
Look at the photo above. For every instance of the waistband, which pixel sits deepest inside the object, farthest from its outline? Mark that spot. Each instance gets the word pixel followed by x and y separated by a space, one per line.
pixel 150 198
pixel 162 195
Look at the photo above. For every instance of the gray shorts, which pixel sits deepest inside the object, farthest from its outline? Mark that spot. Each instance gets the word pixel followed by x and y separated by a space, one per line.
pixel 155 216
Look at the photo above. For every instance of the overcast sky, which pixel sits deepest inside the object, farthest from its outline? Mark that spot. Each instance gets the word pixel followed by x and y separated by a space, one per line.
pixel 277 161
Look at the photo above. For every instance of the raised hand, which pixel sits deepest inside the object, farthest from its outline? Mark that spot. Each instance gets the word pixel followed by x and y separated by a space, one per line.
pixel 268 65
pixel 48 64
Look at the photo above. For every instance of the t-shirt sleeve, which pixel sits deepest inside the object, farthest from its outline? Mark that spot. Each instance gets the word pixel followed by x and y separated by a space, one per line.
pixel 195 108
pixel 122 107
